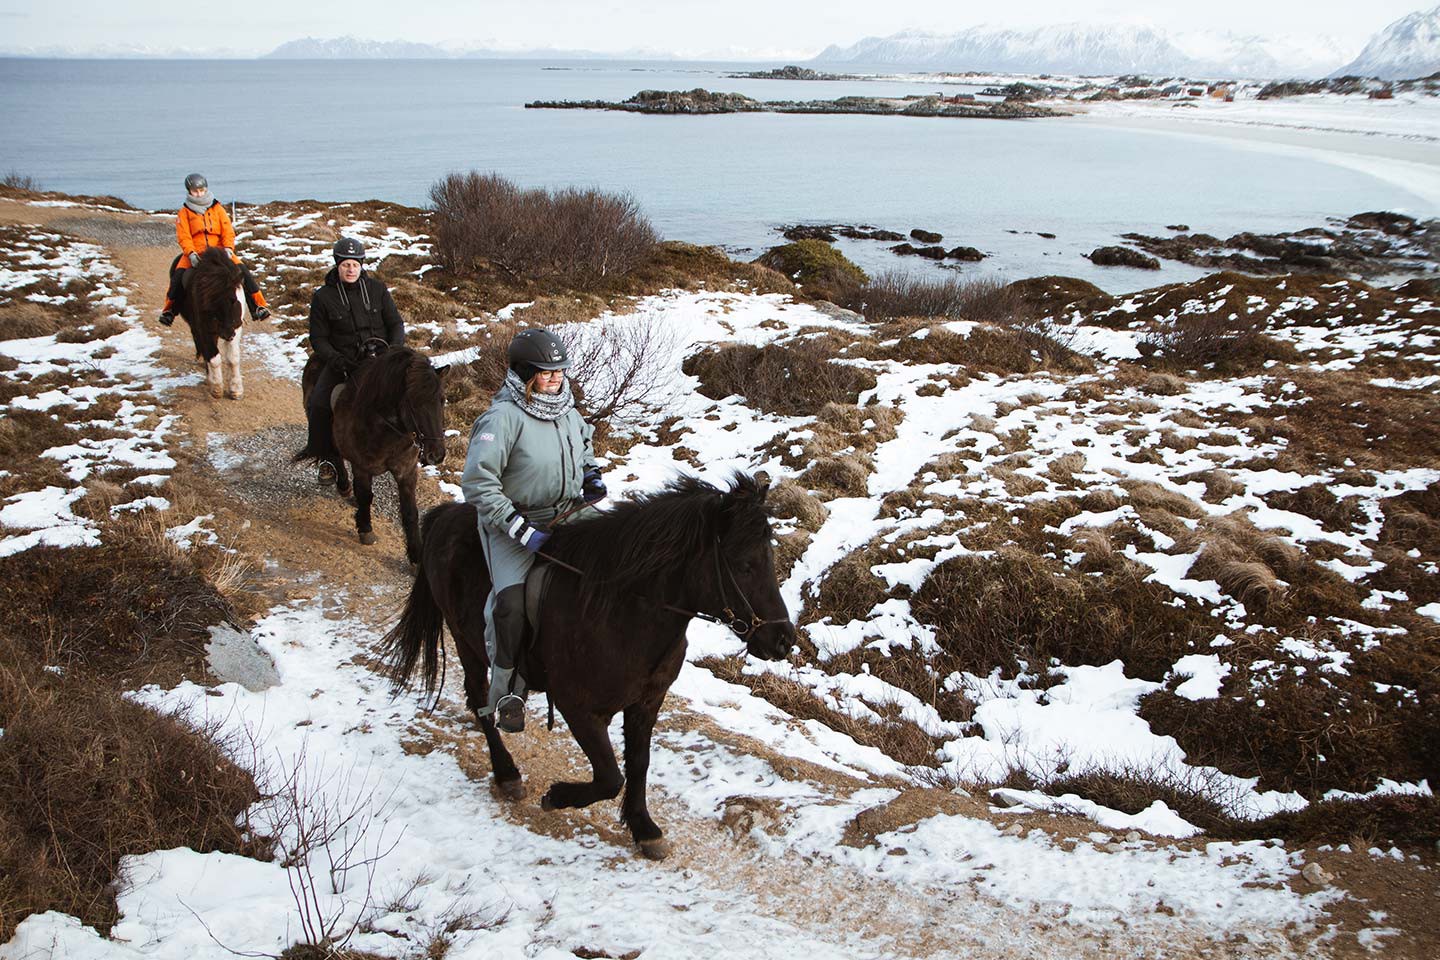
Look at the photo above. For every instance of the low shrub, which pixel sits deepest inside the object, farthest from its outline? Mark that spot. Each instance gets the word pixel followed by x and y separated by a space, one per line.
pixel 581 238
pixel 86 778
pixel 793 379
pixel 894 293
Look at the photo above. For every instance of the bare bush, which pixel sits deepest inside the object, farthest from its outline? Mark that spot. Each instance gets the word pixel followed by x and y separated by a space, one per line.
pixel 898 293
pixel 21 181
pixel 578 237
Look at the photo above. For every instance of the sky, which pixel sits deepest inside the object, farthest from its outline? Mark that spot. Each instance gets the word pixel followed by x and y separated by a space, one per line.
pixel 759 29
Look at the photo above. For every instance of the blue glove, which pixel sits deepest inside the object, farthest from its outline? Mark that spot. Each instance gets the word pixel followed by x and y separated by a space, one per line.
pixel 524 534
pixel 592 488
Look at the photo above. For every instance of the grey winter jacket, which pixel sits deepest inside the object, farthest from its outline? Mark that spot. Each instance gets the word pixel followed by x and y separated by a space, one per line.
pixel 519 463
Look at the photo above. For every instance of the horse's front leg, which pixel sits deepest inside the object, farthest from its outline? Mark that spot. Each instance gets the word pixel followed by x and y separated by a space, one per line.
pixel 639 724
pixel 235 381
pixel 364 496
pixel 215 377
pixel 592 733
pixel 409 513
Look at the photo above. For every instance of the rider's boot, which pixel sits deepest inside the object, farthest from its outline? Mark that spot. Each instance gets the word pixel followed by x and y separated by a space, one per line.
pixel 167 315
pixel 258 310
pixel 507 689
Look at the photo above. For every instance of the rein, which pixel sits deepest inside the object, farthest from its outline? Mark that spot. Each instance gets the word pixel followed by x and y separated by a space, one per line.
pixel 737 624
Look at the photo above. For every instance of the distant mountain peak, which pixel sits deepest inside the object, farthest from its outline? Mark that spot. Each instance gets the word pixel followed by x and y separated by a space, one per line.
pixel 351 48
pixel 1087 48
pixel 1406 49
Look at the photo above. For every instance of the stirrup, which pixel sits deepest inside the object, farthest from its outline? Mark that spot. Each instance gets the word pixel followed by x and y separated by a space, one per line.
pixel 326 473
pixel 510 714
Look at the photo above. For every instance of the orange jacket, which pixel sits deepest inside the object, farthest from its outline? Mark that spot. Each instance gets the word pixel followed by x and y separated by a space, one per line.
pixel 197 231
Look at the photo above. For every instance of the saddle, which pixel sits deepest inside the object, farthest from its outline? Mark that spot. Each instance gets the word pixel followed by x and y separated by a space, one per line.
pixel 370 349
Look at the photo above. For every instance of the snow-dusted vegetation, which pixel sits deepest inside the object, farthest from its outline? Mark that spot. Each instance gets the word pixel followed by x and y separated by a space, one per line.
pixel 1118 619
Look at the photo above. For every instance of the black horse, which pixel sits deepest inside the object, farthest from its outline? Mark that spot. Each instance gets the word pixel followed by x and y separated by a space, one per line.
pixel 612 626
pixel 389 418
pixel 211 306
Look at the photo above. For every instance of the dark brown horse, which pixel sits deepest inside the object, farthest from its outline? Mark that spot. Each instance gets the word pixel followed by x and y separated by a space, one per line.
pixel 389 418
pixel 212 307
pixel 612 625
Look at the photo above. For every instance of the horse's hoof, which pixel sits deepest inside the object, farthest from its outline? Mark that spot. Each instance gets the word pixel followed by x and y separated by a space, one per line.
pixel 217 394
pixel 235 395
pixel 368 538
pixel 512 790
pixel 657 849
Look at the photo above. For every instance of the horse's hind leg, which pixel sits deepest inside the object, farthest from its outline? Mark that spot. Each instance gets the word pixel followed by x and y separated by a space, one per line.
pixel 639 724
pixel 593 734
pixel 409 513
pixel 235 381
pixel 364 496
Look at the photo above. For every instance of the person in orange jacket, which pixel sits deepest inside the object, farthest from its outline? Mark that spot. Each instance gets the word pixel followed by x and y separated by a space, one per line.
pixel 201 223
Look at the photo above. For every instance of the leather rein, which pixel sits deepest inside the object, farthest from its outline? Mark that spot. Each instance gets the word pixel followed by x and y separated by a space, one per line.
pixel 741 626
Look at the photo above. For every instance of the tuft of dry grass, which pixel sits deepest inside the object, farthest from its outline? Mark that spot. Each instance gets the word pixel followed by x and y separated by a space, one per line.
pixel 898 739
pixel 86 778
pixel 788 499
pixel 837 476
pixel 24 319
pixel 794 379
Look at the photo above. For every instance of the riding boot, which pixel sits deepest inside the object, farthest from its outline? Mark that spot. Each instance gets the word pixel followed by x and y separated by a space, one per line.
pixel 507 688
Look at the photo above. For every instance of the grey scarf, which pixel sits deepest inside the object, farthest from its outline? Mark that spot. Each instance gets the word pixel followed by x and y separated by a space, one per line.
pixel 542 406
pixel 200 205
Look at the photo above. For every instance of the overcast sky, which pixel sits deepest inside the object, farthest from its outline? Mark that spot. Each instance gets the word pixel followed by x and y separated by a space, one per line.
pixel 757 28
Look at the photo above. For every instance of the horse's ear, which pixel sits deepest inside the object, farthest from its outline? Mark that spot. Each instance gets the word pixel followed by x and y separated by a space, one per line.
pixel 762 485
pixel 442 370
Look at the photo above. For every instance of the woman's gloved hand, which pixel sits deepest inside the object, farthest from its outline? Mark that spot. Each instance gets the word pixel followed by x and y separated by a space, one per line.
pixel 194 259
pixel 592 488
pixel 527 536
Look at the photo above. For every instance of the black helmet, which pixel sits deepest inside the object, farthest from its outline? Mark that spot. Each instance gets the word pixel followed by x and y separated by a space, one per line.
pixel 348 248
pixel 196 181
pixel 539 349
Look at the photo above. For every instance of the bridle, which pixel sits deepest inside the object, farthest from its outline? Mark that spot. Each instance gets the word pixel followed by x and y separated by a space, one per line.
pixel 741 626
pixel 374 347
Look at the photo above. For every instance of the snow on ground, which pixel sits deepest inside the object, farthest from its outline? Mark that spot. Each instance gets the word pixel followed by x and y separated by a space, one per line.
pixel 451 842
pixel 120 366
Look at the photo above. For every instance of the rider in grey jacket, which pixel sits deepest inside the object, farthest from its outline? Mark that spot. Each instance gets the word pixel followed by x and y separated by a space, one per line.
pixel 530 460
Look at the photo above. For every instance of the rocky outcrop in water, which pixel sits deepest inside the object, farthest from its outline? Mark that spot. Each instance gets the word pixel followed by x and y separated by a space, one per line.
pixel 792 72
pixel 1366 245
pixel 700 101
pixel 1122 257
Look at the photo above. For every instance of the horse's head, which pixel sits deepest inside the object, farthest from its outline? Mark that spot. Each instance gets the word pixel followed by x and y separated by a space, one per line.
pixel 745 571
pixel 422 409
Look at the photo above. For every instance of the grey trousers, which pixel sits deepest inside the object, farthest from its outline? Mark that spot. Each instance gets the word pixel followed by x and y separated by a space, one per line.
pixel 509 563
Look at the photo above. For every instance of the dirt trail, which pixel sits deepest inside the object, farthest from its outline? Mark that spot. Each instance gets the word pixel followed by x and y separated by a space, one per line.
pixel 235 463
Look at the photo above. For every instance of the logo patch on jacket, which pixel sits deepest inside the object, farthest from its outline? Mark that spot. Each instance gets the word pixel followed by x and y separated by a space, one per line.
pixel 487 437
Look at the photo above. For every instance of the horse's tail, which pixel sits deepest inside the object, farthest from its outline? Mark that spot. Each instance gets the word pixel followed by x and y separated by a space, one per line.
pixel 418 631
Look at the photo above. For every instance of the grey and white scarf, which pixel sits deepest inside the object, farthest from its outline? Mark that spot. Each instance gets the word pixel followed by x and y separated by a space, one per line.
pixel 200 205
pixel 542 406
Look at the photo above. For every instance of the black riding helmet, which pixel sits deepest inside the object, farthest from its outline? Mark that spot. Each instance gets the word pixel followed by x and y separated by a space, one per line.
pixel 534 350
pixel 348 248
pixel 196 181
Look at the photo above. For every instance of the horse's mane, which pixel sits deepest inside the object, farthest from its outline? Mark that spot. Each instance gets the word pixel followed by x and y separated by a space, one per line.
pixel 649 544
pixel 215 279
pixel 385 380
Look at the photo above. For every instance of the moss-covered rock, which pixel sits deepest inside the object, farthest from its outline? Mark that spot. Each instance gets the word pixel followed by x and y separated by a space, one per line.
pixel 816 266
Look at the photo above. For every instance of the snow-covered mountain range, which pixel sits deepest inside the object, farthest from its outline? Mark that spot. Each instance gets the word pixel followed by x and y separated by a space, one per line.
pixel 1408 48
pixel 1078 48
pixel 351 48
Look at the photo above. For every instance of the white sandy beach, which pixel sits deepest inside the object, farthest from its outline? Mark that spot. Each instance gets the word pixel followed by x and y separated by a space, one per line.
pixel 1397 141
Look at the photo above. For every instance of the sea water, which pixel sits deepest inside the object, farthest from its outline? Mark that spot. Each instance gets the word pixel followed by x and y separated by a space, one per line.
pixel 353 130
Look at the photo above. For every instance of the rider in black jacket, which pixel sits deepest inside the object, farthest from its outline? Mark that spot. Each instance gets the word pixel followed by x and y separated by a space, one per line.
pixel 349 309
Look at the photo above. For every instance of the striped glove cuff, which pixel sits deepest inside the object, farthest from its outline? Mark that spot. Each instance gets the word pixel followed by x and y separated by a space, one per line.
pixel 527 536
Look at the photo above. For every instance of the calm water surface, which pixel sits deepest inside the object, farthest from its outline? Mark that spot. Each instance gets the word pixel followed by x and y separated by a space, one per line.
pixel 351 130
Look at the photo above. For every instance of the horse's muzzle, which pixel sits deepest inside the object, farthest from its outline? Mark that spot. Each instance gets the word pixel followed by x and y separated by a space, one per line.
pixel 772 641
pixel 432 455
